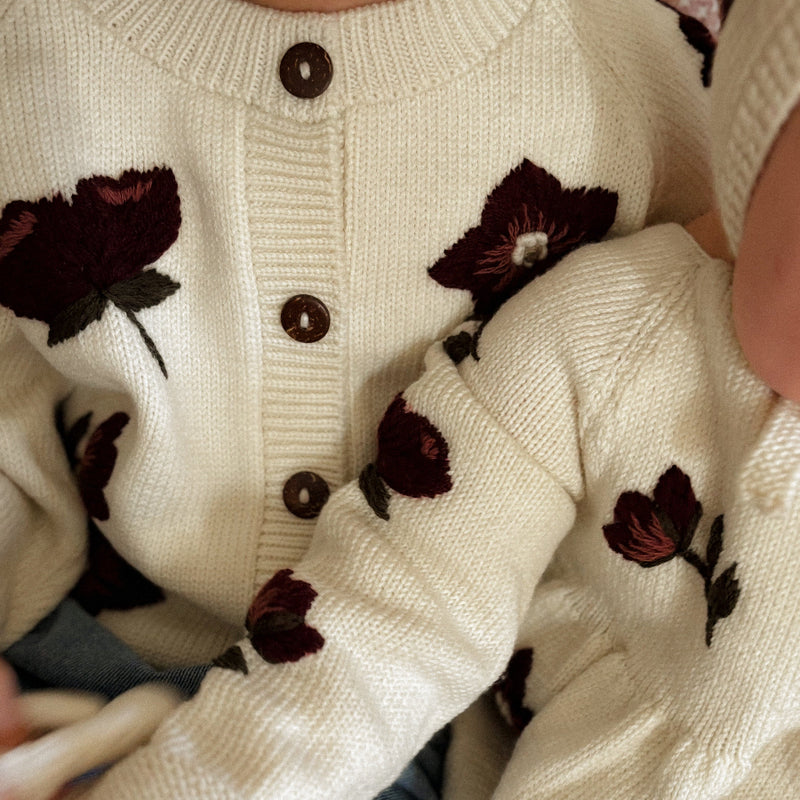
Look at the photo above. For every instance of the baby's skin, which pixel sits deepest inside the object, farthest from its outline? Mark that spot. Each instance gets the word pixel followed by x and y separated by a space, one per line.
pixel 12 726
pixel 766 281
pixel 13 730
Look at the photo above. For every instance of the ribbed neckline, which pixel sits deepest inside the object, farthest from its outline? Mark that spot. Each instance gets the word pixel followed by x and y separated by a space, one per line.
pixel 380 51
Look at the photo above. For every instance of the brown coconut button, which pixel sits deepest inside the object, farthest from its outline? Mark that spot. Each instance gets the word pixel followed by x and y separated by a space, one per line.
pixel 305 493
pixel 306 70
pixel 305 318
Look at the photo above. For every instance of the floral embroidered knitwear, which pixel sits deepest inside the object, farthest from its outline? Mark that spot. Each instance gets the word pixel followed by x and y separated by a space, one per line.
pixel 164 197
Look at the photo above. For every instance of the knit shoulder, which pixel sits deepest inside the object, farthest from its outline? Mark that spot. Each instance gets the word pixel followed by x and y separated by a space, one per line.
pixel 661 62
pixel 650 33
pixel 573 334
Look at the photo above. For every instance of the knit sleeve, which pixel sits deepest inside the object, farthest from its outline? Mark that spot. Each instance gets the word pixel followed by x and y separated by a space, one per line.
pixel 42 525
pixel 405 609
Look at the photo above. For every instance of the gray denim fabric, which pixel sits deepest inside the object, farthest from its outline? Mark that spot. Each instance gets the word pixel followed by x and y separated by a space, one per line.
pixel 70 649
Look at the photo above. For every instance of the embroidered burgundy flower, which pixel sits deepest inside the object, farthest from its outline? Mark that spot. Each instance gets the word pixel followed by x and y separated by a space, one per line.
pixel 650 532
pixel 276 620
pixel 110 582
pixel 63 262
pixel 509 690
pixel 528 223
pixel 97 463
pixel 413 457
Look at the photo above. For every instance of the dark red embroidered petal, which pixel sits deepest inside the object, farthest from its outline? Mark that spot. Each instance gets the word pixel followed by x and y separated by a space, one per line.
pixel 699 37
pixel 413 457
pixel 528 223
pixel 675 498
pixel 636 533
pixel 276 620
pixel 703 41
pixel 287 646
pixel 41 258
pixel 97 464
pixel 281 593
pixel 135 219
pixel 510 689
pixel 110 582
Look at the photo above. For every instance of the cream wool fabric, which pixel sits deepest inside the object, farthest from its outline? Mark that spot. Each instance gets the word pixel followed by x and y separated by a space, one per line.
pixel 349 197
pixel 592 382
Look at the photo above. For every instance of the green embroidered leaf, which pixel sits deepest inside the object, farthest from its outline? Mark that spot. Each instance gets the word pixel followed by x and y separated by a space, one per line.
pixel 144 290
pixel 714 548
pixel 723 595
pixel 73 319
pixel 374 490
pixel 233 659
pixel 458 346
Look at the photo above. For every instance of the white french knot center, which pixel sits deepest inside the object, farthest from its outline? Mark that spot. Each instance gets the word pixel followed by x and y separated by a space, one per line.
pixel 530 248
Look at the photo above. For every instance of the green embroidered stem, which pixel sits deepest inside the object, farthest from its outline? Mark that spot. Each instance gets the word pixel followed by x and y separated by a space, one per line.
pixel 151 345
pixel 692 558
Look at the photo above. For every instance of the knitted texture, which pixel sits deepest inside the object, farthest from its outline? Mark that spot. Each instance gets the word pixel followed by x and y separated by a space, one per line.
pixel 617 372
pixel 350 197
pixel 756 85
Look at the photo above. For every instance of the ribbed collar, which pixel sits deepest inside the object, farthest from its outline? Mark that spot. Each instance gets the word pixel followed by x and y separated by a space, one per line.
pixel 380 51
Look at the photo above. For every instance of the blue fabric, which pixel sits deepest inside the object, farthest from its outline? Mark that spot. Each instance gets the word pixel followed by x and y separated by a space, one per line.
pixel 70 649
pixel 422 779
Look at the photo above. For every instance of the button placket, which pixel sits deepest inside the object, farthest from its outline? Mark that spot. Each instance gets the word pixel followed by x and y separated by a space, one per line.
pixel 295 182
pixel 305 71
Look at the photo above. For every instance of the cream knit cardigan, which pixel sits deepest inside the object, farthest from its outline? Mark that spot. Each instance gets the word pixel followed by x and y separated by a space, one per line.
pixel 610 489
pixel 350 197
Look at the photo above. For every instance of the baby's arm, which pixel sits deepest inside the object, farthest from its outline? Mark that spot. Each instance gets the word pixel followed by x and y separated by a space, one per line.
pixel 766 278
pixel 407 605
